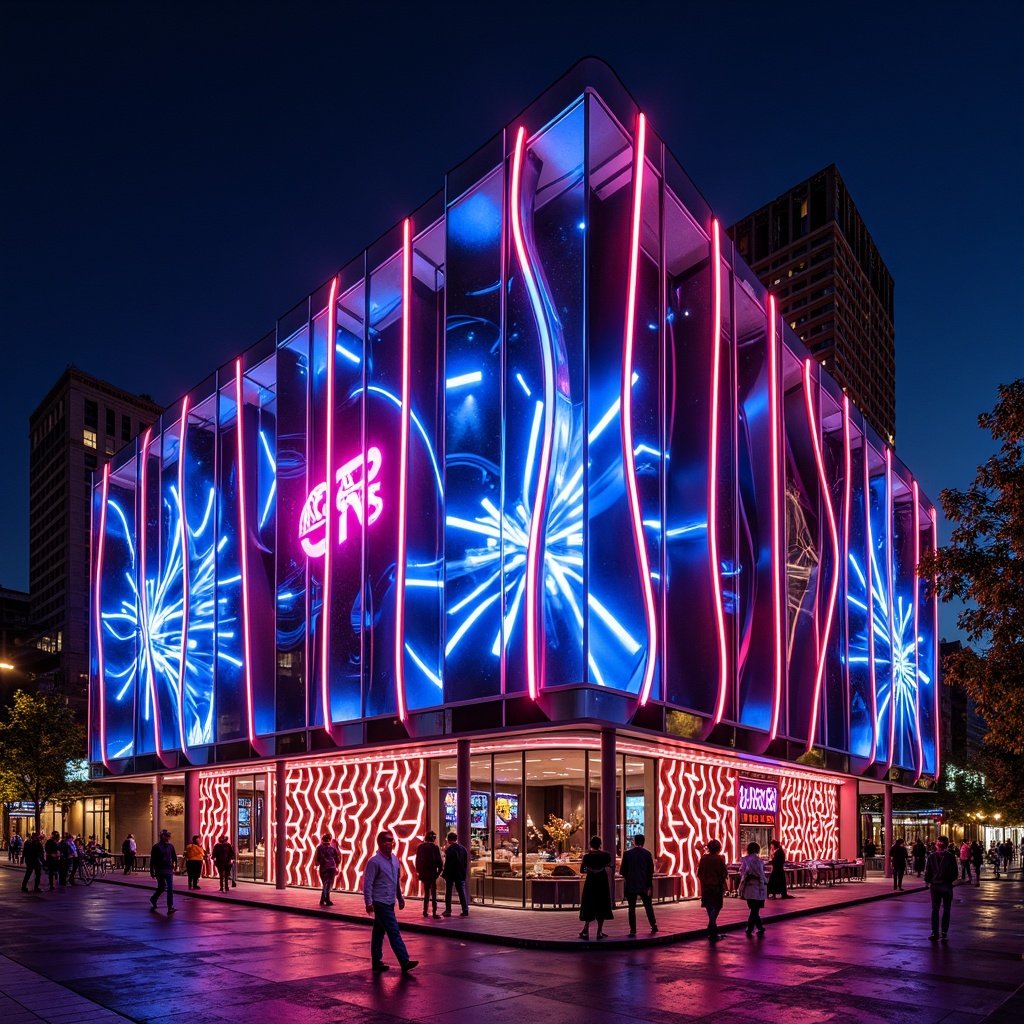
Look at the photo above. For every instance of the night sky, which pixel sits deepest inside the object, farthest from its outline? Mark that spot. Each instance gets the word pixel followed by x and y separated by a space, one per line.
pixel 174 178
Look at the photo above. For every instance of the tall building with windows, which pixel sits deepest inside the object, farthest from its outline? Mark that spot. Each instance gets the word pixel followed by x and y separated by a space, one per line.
pixel 810 248
pixel 75 430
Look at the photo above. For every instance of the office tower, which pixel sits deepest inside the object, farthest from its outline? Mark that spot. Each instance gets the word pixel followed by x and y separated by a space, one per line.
pixel 810 248
pixel 75 430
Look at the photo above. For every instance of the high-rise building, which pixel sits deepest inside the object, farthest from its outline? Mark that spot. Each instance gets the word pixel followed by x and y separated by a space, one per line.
pixel 811 249
pixel 75 430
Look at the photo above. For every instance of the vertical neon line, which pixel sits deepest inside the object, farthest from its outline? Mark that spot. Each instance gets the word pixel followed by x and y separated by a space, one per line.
pixel 845 554
pixel 890 580
pixel 716 583
pixel 834 530
pixel 870 583
pixel 243 543
pixel 102 683
pixel 534 553
pixel 143 595
pixel 626 408
pixel 403 471
pixel 917 661
pixel 937 712
pixel 778 564
pixel 184 578
pixel 325 607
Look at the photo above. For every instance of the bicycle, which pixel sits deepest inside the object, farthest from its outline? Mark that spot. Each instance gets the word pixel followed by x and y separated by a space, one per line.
pixel 91 866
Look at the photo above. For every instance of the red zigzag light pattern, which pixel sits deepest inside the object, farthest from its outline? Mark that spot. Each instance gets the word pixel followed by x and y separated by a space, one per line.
pixel 808 819
pixel 698 805
pixel 354 801
pixel 214 809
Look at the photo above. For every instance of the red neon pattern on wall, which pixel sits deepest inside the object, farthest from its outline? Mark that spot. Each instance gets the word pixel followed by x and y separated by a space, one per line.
pixel 325 617
pixel 98 616
pixel 808 819
pixel 917 646
pixel 353 801
pixel 819 675
pixel 144 593
pixel 403 472
pixel 182 660
pixel 716 568
pixel 215 817
pixel 626 417
pixel 698 805
pixel 778 560
pixel 243 544
pixel 892 614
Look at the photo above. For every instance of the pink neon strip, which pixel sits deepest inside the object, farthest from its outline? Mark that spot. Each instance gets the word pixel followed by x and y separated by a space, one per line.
pixel 626 417
pixel 917 598
pixel 871 604
pixel 102 682
pixel 833 528
pixel 534 552
pixel 847 498
pixel 325 611
pixel 243 544
pixel 892 613
pixel 403 472
pixel 716 581
pixel 778 563
pixel 937 720
pixel 184 579
pixel 143 597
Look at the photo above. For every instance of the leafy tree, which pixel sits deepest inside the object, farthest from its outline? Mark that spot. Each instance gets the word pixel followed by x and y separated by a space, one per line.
pixel 983 566
pixel 38 737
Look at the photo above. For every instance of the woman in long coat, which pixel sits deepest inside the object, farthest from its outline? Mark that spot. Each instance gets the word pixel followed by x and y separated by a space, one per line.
pixel 753 887
pixel 777 879
pixel 713 875
pixel 596 898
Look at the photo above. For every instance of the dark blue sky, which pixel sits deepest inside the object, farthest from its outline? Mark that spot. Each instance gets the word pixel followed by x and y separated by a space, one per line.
pixel 174 179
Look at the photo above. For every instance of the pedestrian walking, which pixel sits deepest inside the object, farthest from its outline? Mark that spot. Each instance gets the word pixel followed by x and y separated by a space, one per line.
pixel 713 875
pixel 128 851
pixel 382 889
pixel 162 860
pixel 52 851
pixel 753 887
pixel 965 861
pixel 977 858
pixel 327 862
pixel 637 870
pixel 940 874
pixel 596 898
pixel 898 856
pixel 14 849
pixel 223 859
pixel 194 857
pixel 454 873
pixel 920 854
pixel 32 853
pixel 429 866
pixel 777 879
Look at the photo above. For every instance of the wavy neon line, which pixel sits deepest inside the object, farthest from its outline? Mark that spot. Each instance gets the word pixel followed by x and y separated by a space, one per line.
pixel 184 578
pixel 778 567
pixel 325 606
pixel 100 668
pixel 243 544
pixel 403 469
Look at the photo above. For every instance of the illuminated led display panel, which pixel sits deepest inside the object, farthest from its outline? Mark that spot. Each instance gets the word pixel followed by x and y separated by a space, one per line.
pixel 548 434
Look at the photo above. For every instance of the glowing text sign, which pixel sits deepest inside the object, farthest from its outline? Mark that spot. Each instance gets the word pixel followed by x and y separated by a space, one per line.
pixel 350 490
pixel 757 802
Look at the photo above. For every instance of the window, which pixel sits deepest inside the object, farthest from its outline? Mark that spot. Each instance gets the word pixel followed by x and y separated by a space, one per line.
pixel 126 428
pixel 111 417
pixel 92 414
pixel 89 438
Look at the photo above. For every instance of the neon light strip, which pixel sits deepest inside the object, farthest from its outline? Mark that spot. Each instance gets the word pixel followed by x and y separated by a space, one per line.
pixel 325 611
pixel 716 584
pixel 144 590
pixel 534 549
pixel 937 720
pixel 847 497
pixel 890 570
pixel 626 418
pixel 184 577
pixel 917 645
pixel 102 682
pixel 833 528
pixel 243 543
pixel 465 378
pixel 403 472
pixel 869 584
pixel 778 565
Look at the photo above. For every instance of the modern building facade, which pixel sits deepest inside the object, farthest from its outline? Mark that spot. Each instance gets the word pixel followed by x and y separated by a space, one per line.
pixel 75 430
pixel 810 248
pixel 535 521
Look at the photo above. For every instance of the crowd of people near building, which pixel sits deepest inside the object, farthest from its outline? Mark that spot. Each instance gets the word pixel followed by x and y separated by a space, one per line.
pixel 58 857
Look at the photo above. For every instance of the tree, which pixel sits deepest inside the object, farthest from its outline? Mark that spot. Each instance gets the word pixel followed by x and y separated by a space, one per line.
pixel 38 737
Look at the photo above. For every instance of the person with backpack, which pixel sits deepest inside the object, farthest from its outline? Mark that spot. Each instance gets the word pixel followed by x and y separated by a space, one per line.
pixel 223 861
pixel 327 862
pixel 940 875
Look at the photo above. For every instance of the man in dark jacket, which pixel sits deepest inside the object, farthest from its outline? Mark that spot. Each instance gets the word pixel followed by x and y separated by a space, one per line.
pixel 456 868
pixel 33 855
pixel 637 868
pixel 940 874
pixel 162 860
pixel 428 868
pixel 52 851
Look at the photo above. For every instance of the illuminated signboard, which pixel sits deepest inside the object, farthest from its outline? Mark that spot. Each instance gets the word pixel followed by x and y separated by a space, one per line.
pixel 757 802
pixel 351 487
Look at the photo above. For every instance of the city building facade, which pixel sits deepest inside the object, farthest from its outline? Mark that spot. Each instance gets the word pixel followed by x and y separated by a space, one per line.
pixel 810 248
pixel 535 521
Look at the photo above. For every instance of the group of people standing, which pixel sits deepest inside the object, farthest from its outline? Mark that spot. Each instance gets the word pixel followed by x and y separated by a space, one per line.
pixel 60 857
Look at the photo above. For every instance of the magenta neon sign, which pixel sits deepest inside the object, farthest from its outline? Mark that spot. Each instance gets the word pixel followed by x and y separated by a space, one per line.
pixel 757 802
pixel 350 488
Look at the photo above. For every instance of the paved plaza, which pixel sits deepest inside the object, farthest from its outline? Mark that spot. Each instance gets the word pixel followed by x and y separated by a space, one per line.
pixel 100 955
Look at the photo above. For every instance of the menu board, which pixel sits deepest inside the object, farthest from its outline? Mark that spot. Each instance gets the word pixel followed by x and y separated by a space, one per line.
pixel 757 802
pixel 634 814
pixel 506 810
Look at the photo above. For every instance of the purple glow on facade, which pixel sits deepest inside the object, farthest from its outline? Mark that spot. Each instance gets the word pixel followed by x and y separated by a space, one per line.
pixel 243 543
pixel 183 660
pixel 403 474
pixel 98 616
pixel 778 560
pixel 147 646
pixel 325 631
pixel 890 580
